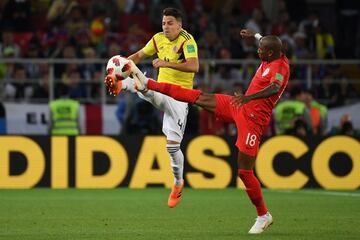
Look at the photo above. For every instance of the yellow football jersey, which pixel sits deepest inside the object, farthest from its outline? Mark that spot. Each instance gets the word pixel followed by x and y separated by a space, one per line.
pixel 183 47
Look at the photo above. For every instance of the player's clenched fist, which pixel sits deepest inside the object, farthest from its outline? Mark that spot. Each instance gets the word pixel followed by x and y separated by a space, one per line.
pixel 246 33
pixel 239 99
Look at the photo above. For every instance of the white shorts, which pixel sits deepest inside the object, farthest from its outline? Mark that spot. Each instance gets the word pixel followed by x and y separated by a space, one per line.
pixel 175 114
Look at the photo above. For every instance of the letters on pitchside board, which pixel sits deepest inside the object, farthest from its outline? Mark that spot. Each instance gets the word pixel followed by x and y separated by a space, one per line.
pixel 284 162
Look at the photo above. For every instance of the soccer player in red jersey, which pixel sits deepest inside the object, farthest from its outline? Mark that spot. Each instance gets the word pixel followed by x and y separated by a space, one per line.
pixel 250 112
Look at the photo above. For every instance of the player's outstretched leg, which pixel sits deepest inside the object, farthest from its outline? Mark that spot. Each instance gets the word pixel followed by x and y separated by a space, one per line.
pixel 155 98
pixel 114 86
pixel 142 84
pixel 140 79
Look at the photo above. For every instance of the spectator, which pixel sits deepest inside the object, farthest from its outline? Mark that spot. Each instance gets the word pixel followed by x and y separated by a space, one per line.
pixel 324 41
pixel 135 39
pixel 34 51
pixel 98 27
pixel 143 119
pixel 17 14
pixel 308 24
pixel 59 10
pixel 64 115
pixel 114 49
pixel 211 43
pixel 18 88
pixel 300 128
pixel 223 79
pixel 55 42
pixel 68 52
pixel 6 69
pixel 248 69
pixel 8 44
pixel 254 22
pixel 76 21
pixel 70 81
pixel 235 43
pixel 88 69
pixel 95 85
pixel 280 27
pixel 75 27
pixel 41 91
pixel 287 36
pixel 347 16
pixel 318 113
pixel 348 90
pixel 301 51
pixel 288 111
pixel 76 88
pixel 83 41
pixel 345 127
pixel 330 91
pixel 226 75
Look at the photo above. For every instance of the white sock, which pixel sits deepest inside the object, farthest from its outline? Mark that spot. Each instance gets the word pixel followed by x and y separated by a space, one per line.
pixel 177 162
pixel 128 85
pixel 155 98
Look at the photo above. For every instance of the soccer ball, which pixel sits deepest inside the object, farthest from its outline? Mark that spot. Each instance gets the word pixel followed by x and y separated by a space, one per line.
pixel 119 67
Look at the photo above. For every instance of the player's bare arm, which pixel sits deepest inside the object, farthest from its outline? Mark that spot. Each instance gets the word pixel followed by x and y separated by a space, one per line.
pixel 240 99
pixel 138 56
pixel 190 65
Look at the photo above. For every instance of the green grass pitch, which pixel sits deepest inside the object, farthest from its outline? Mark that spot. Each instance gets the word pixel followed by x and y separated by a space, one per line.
pixel 203 214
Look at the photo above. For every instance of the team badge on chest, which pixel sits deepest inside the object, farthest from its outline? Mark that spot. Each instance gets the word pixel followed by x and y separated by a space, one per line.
pixel 265 72
pixel 175 48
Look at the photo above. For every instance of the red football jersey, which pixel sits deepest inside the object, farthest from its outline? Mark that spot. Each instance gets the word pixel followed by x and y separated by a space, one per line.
pixel 277 71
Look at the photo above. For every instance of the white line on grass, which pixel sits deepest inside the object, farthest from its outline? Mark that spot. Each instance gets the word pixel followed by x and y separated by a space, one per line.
pixel 320 192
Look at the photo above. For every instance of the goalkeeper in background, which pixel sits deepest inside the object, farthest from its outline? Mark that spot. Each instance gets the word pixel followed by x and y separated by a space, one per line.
pixel 177 60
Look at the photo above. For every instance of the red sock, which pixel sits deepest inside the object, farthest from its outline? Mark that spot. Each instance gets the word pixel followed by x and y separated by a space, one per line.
pixel 253 189
pixel 175 91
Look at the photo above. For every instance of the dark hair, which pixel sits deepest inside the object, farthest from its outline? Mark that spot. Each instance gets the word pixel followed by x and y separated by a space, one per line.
pixel 295 91
pixel 173 12
pixel 309 91
pixel 347 128
pixel 19 67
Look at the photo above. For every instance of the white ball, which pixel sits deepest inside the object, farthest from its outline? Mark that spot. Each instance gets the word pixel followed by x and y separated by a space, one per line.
pixel 119 67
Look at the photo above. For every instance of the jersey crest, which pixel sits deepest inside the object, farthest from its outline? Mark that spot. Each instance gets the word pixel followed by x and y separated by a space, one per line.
pixel 266 72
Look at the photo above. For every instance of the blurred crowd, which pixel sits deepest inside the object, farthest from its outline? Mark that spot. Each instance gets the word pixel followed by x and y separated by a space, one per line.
pixel 88 29
pixel 300 115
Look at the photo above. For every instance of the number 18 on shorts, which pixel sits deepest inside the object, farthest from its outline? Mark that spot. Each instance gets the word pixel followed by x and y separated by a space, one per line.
pixel 249 135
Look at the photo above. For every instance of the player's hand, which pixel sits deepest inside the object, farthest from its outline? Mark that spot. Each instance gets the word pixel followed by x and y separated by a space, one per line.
pixel 159 63
pixel 112 85
pixel 246 33
pixel 239 99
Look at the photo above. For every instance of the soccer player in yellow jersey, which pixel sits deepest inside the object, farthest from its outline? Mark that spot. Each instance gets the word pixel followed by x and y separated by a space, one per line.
pixel 176 50
pixel 177 60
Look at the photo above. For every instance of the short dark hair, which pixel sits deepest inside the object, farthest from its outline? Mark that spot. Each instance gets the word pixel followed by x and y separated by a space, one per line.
pixel 173 12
